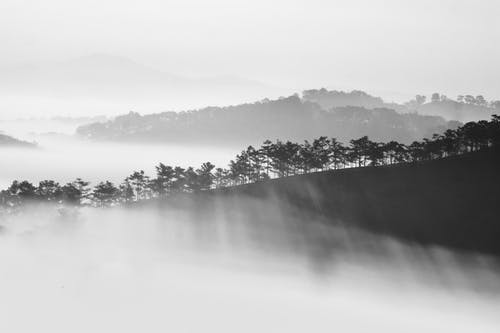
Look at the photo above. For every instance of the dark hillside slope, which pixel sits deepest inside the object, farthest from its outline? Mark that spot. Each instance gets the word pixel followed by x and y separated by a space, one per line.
pixel 453 202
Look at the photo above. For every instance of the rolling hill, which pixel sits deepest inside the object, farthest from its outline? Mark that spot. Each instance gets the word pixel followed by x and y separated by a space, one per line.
pixel 452 202
pixel 252 123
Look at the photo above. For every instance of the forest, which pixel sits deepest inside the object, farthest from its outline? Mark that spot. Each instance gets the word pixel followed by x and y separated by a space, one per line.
pixel 307 116
pixel 293 118
pixel 331 99
pixel 272 160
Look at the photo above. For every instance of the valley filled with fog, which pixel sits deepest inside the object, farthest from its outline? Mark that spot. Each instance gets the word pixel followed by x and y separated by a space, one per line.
pixel 160 269
pixel 244 264
pixel 239 263
pixel 62 156
pixel 253 166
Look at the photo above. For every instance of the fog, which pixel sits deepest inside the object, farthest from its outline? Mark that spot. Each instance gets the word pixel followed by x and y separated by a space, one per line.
pixel 154 269
pixel 97 84
pixel 391 48
pixel 223 261
pixel 65 158
pixel 232 264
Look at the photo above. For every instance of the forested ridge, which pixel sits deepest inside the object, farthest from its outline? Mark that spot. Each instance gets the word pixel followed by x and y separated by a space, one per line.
pixel 292 117
pixel 452 202
pixel 276 159
pixel 464 107
pixel 314 113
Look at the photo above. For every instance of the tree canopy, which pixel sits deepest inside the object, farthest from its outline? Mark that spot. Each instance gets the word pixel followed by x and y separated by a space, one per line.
pixel 272 160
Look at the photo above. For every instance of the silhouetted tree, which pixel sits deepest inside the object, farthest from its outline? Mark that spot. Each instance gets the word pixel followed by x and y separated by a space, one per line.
pixel 178 180
pixel 416 151
pixel 221 177
pixel 49 190
pixel 321 152
pixel 435 98
pixel 105 194
pixel 480 100
pixel 336 153
pixel 251 165
pixel 257 160
pixel 469 99
pixel 162 184
pixel 240 168
pixel 8 201
pixel 282 157
pixel 420 99
pixel 359 150
pixel 305 157
pixel 432 148
pixel 192 180
pixel 24 190
pixel 266 152
pixel 375 153
pixel 471 135
pixel 394 152
pixel 127 193
pixel 140 184
pixel 205 176
pixel 494 131
pixel 450 142
pixel 75 192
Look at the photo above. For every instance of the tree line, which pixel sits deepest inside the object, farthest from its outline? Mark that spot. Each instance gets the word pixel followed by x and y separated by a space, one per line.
pixel 478 100
pixel 272 160
pixel 293 118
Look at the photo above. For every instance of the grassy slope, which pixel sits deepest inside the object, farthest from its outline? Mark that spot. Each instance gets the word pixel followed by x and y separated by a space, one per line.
pixel 453 202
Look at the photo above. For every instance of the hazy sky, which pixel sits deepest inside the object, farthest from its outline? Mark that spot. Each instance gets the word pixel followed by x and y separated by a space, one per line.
pixel 393 48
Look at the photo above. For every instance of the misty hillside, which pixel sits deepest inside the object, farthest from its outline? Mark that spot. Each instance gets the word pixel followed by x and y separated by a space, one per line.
pixel 333 99
pixel 452 202
pixel 465 108
pixel 450 109
pixel 291 118
pixel 8 141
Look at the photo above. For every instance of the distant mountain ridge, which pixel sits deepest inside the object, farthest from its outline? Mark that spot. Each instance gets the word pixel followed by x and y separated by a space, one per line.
pixel 290 118
pixel 332 99
pixel 100 82
pixel 107 84
pixel 103 69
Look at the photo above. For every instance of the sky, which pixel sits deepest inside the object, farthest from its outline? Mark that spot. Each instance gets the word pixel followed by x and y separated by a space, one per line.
pixel 393 48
